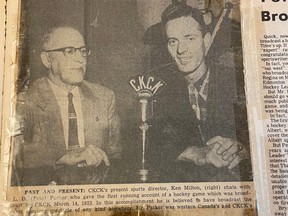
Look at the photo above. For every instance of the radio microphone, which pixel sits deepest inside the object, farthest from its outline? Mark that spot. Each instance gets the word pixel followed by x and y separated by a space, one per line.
pixel 146 106
pixel 146 87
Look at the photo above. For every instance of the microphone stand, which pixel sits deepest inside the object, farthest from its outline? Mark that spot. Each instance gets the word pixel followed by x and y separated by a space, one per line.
pixel 144 97
pixel 146 87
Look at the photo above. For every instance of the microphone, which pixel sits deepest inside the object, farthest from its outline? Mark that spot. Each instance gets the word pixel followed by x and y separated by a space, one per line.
pixel 146 106
pixel 145 87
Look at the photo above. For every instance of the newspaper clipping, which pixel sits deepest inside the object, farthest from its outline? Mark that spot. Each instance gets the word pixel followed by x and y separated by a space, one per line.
pixel 266 60
pixel 132 108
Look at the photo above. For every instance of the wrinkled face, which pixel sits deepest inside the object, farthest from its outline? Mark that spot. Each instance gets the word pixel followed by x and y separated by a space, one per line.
pixel 185 43
pixel 67 69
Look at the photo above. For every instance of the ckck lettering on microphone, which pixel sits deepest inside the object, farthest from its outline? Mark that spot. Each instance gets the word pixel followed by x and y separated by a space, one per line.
pixel 146 83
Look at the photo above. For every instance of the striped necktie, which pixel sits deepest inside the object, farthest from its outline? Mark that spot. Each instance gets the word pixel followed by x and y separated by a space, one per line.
pixel 73 130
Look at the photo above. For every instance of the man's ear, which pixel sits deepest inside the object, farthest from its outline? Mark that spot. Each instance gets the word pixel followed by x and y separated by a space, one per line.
pixel 207 40
pixel 46 59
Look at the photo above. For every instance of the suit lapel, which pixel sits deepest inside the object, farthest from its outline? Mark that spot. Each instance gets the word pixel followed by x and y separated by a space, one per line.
pixel 51 116
pixel 91 111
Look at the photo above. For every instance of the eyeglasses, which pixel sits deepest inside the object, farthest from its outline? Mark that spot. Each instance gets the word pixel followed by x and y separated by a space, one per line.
pixel 70 51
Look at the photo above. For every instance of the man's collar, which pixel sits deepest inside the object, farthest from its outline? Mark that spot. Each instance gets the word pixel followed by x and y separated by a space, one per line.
pixel 199 82
pixel 201 86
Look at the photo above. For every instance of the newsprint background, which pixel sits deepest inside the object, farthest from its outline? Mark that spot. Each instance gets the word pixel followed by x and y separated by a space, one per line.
pixel 265 51
pixel 125 42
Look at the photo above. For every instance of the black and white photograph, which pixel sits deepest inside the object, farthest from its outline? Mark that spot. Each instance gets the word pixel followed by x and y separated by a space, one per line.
pixel 130 91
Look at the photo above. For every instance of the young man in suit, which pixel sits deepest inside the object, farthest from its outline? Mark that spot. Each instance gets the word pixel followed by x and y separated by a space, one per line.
pixel 200 119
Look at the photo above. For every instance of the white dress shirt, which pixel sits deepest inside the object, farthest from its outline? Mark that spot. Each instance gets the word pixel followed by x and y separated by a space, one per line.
pixel 62 100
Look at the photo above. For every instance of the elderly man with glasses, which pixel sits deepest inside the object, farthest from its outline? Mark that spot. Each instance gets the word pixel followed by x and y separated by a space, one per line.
pixel 70 127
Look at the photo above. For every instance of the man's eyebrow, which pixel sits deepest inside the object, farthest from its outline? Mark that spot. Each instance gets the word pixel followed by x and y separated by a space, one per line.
pixel 172 38
pixel 189 35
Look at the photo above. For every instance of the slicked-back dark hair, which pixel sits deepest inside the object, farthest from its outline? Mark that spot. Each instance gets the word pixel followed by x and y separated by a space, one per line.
pixel 180 9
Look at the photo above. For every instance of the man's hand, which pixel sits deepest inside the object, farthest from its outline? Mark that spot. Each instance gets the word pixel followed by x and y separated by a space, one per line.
pixel 225 152
pixel 71 158
pixel 195 154
pixel 94 156
pixel 88 156
pixel 220 151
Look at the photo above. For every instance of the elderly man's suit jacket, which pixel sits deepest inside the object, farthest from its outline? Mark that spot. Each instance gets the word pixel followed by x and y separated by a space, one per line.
pixel 44 141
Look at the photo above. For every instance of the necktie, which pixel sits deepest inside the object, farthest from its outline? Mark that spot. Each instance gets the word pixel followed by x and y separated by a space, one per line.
pixel 73 130
pixel 199 106
pixel 193 98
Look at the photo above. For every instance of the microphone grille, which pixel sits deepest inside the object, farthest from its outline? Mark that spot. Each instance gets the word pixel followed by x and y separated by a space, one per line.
pixel 145 109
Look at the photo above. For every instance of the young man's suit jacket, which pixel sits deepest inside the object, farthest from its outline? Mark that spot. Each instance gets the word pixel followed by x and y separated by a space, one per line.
pixel 175 125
